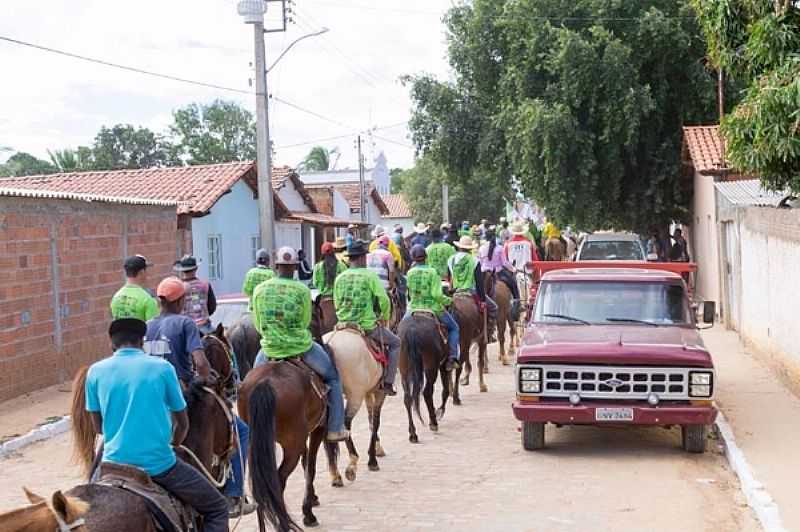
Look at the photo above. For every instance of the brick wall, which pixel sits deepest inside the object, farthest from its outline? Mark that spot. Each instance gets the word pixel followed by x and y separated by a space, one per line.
pixel 60 263
pixel 323 199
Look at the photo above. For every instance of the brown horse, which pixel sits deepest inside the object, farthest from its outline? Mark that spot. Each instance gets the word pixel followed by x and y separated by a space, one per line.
pixel 471 325
pixel 422 353
pixel 280 404
pixel 323 317
pixel 245 342
pixel 555 250
pixel 504 299
pixel 207 446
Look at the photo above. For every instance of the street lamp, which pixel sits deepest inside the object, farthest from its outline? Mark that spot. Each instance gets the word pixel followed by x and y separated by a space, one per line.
pixel 253 13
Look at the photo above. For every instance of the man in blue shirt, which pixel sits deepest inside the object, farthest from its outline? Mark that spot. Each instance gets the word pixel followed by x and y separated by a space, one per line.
pixel 136 402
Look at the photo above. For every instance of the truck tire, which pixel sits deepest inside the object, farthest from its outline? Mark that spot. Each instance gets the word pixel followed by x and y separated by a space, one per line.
pixel 695 438
pixel 532 435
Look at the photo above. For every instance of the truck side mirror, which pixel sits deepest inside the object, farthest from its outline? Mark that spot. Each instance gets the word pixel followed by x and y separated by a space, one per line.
pixel 709 311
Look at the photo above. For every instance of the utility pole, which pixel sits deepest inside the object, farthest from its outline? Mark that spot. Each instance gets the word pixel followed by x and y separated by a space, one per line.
pixel 361 196
pixel 445 204
pixel 264 150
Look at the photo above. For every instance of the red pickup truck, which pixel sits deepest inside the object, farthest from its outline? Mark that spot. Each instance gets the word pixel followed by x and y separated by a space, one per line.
pixel 614 346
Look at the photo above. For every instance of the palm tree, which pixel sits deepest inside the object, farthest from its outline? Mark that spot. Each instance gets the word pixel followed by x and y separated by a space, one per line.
pixel 319 159
pixel 69 160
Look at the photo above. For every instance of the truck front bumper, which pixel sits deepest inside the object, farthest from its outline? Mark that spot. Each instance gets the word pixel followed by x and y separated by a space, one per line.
pixel 584 414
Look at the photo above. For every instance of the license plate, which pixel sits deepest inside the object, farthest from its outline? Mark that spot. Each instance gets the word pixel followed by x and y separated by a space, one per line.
pixel 613 414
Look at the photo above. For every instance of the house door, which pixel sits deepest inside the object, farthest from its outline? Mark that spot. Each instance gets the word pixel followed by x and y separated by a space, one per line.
pixel 732 272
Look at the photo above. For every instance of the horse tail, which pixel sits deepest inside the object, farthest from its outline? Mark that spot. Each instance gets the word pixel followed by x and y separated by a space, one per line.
pixel 83 433
pixel 266 483
pixel 416 371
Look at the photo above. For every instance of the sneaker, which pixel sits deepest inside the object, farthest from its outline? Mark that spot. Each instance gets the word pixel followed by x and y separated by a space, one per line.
pixel 388 389
pixel 239 506
pixel 338 436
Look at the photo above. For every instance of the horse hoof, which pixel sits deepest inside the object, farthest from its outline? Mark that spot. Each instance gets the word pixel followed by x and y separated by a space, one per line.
pixel 350 474
pixel 484 388
pixel 379 452
pixel 413 438
pixel 456 401
pixel 434 428
pixel 374 467
pixel 337 482
pixel 310 522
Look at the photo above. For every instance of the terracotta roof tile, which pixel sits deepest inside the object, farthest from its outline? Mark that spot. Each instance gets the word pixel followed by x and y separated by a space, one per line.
pixel 398 208
pixel 350 193
pixel 704 146
pixel 195 189
pixel 320 219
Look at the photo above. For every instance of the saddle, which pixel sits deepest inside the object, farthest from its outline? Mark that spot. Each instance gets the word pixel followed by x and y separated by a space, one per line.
pixel 168 513
pixel 427 314
pixel 317 384
pixel 463 294
pixel 373 346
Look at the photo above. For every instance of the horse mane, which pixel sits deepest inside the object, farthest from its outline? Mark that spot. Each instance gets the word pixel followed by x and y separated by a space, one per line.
pixel 83 432
pixel 193 394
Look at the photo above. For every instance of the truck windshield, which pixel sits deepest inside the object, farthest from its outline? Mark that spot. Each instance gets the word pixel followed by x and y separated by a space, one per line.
pixel 601 302
pixel 611 250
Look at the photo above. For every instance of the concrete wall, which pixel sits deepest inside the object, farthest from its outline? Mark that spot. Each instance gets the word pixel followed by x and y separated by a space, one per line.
pixel 60 263
pixel 235 218
pixel 770 300
pixel 292 198
pixel 407 223
pixel 704 239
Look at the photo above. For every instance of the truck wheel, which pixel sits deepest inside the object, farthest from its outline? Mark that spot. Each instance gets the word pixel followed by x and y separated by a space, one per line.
pixel 695 438
pixel 532 435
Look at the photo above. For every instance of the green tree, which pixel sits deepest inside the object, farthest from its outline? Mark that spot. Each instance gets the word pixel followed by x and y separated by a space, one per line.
pixel 396 180
pixel 581 101
pixel 319 159
pixel 69 160
pixel 422 188
pixel 24 164
pixel 126 147
pixel 219 132
pixel 758 42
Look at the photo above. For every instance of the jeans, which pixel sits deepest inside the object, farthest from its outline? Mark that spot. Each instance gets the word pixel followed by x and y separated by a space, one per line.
pixel 392 342
pixel 191 487
pixel 234 487
pixel 452 333
pixel 318 360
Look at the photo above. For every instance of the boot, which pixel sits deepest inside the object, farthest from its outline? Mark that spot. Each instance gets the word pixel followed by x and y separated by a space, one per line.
pixel 239 506
pixel 492 323
pixel 338 436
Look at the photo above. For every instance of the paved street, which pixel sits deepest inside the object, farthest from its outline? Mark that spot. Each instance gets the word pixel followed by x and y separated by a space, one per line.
pixel 474 475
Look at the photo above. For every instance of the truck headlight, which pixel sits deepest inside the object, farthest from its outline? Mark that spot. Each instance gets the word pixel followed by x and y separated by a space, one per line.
pixel 701 383
pixel 530 386
pixel 700 390
pixel 530 374
pixel 700 377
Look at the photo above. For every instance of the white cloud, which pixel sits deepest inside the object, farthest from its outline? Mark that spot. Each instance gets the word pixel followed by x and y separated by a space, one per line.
pixel 349 75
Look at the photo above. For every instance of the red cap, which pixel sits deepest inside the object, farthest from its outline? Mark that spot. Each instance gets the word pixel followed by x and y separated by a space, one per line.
pixel 327 247
pixel 171 289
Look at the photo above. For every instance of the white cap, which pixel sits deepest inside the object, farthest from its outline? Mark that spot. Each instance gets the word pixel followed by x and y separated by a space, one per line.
pixel 286 255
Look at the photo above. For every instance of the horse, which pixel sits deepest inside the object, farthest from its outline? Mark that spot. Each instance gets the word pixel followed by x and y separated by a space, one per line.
pixel 472 326
pixel 504 299
pixel 362 379
pixel 554 249
pixel 323 317
pixel 280 403
pixel 423 351
pixel 209 442
pixel 246 343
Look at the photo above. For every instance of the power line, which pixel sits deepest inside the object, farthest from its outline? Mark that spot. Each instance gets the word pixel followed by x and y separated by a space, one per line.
pixel 312 113
pixel 390 141
pixel 326 139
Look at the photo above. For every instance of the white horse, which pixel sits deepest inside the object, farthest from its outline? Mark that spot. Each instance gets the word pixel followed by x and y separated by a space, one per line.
pixel 362 380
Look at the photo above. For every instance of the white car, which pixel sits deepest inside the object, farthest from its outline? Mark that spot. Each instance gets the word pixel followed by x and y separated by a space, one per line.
pixel 611 246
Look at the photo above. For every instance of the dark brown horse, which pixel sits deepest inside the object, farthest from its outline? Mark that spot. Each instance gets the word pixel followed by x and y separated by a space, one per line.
pixel 323 318
pixel 472 325
pixel 245 342
pixel 210 435
pixel 280 404
pixel 422 354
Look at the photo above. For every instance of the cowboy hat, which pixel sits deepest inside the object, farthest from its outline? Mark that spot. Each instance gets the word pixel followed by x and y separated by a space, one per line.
pixel 420 228
pixel 186 264
pixel 465 242
pixel 378 231
pixel 357 249
pixel 340 243
pixel 518 228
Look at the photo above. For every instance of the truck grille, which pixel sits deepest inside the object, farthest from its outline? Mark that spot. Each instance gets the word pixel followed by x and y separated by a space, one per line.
pixel 608 382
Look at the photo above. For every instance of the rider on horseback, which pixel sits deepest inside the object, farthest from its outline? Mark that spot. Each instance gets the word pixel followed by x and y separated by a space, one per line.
pixel 282 314
pixel 425 292
pixel 326 271
pixel 355 294
pixel 256 276
pixel 439 253
pixel 136 402
pixel 200 302
pixel 132 300
pixel 465 274
pixel 381 262
pixel 494 261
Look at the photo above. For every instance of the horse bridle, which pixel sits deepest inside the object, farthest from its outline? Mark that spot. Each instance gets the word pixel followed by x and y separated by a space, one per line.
pixel 227 383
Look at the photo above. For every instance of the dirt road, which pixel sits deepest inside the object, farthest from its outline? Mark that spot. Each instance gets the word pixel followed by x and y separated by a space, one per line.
pixel 474 475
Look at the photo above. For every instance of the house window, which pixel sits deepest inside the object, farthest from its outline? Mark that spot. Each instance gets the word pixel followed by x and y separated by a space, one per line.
pixel 255 245
pixel 215 257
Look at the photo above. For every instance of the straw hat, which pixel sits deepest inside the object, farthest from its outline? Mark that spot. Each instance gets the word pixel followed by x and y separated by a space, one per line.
pixel 340 243
pixel 465 242
pixel 420 228
pixel 378 231
pixel 518 228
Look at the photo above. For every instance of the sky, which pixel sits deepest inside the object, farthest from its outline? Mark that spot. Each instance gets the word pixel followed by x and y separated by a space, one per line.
pixel 349 75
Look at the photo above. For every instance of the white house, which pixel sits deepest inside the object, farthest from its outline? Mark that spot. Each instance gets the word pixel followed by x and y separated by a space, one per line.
pixel 399 213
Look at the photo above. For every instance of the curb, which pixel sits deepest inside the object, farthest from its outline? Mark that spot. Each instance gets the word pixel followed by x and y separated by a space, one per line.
pixel 45 432
pixel 758 498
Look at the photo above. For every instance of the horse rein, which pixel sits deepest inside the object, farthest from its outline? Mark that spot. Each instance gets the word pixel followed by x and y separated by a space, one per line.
pixel 226 383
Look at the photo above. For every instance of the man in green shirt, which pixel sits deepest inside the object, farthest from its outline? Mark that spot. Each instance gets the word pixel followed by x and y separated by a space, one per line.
pixel 282 314
pixel 327 270
pixel 132 300
pixel 438 253
pixel 425 293
pixel 355 293
pixel 257 275
pixel 465 273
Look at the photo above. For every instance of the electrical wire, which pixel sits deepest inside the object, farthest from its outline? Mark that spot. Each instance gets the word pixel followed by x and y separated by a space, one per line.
pixel 326 139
